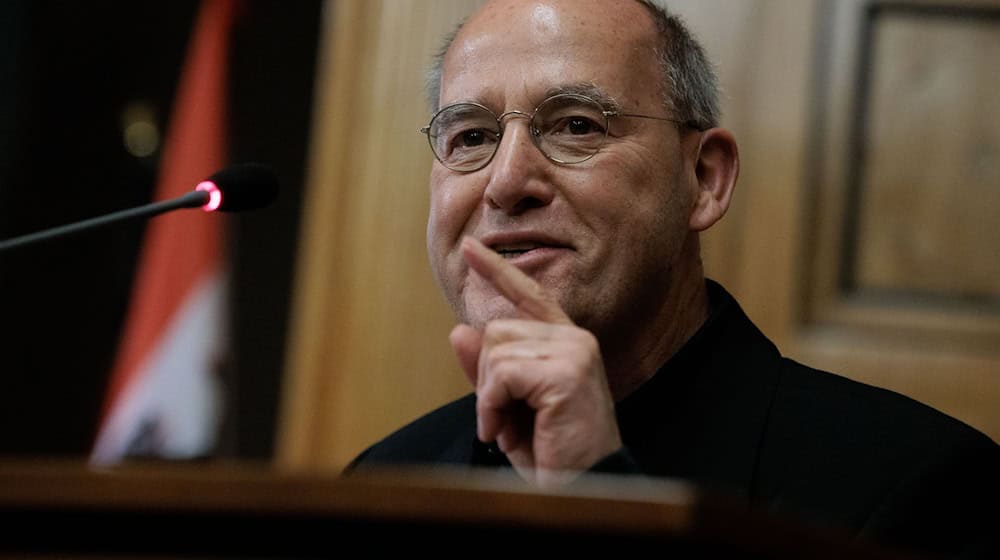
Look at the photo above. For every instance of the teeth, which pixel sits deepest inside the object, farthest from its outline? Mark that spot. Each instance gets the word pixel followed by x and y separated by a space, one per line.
pixel 513 250
pixel 511 253
pixel 518 247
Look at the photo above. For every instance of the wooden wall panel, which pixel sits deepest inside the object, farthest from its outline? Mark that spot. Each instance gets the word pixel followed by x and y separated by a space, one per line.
pixel 929 201
pixel 369 344
pixel 901 288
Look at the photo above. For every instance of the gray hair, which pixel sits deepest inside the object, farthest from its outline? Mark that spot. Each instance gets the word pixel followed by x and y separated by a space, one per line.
pixel 690 87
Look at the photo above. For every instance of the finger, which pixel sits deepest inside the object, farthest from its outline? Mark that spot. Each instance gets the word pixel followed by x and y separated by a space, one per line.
pixel 529 298
pixel 467 343
pixel 503 387
pixel 502 331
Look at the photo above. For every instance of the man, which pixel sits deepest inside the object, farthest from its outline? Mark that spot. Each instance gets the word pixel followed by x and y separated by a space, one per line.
pixel 578 157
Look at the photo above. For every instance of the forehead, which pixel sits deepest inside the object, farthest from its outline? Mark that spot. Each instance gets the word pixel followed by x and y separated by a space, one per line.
pixel 513 51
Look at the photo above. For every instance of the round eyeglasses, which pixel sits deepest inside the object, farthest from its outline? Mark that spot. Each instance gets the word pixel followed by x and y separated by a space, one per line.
pixel 567 128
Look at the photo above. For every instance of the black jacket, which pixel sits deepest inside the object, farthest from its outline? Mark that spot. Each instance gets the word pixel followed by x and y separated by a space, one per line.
pixel 729 413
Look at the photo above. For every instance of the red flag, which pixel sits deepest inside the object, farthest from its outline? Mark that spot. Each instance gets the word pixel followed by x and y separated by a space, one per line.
pixel 162 398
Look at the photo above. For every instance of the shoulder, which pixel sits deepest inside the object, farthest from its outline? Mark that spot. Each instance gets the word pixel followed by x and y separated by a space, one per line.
pixel 829 404
pixel 889 466
pixel 441 435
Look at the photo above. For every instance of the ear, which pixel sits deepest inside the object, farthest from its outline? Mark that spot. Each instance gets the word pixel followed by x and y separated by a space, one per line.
pixel 717 165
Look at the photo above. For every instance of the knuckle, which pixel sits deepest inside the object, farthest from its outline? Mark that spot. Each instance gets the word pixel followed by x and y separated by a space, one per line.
pixel 494 361
pixel 582 339
pixel 495 331
pixel 497 367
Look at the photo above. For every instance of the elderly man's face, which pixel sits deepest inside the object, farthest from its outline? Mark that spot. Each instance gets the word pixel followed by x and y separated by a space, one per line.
pixel 603 235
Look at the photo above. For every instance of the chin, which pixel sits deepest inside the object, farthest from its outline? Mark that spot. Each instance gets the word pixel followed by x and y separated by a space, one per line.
pixel 478 310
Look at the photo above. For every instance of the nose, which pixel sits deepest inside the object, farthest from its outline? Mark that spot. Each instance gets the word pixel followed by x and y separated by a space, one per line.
pixel 519 171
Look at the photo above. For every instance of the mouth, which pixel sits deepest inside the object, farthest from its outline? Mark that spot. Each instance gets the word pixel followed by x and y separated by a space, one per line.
pixel 526 249
pixel 530 249
pixel 514 250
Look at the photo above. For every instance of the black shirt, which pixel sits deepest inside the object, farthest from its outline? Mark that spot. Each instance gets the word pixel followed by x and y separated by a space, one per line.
pixel 729 413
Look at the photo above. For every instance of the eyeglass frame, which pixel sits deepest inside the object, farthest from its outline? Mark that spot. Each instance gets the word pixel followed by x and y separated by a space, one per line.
pixel 606 113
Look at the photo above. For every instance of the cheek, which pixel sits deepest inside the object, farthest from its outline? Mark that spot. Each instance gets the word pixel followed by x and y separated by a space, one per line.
pixel 446 205
pixel 646 210
pixel 624 195
pixel 666 189
pixel 453 206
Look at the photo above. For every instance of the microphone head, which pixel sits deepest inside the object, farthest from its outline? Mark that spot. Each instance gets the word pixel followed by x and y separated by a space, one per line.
pixel 244 186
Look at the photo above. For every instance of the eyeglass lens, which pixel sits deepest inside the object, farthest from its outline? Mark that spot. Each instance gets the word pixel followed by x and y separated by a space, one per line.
pixel 566 128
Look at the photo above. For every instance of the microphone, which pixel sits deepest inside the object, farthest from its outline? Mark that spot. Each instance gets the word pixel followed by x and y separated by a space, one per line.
pixel 245 186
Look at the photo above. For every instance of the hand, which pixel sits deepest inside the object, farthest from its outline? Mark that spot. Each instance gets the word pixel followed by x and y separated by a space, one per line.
pixel 542 393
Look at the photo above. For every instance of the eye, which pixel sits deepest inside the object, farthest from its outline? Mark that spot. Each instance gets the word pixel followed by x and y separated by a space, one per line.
pixel 570 128
pixel 471 138
pixel 581 125
pixel 569 116
pixel 573 125
pixel 460 130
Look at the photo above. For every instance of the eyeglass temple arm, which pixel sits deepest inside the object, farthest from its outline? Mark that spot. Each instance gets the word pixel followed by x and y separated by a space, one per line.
pixel 676 121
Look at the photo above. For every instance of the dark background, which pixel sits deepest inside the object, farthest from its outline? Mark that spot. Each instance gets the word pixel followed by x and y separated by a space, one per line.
pixel 67 72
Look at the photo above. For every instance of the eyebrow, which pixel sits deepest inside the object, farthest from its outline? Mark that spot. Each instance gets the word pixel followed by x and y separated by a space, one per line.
pixel 458 112
pixel 586 89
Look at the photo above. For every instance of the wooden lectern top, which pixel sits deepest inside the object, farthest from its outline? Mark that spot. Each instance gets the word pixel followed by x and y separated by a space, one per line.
pixel 236 510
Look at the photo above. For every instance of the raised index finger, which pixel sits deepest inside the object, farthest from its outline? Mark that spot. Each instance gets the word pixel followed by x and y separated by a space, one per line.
pixel 527 296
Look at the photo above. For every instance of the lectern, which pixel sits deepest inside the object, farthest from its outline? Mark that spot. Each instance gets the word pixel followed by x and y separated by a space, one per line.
pixel 146 511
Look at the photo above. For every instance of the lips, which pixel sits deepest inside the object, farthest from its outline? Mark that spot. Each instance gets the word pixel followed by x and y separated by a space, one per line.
pixel 510 251
pixel 511 245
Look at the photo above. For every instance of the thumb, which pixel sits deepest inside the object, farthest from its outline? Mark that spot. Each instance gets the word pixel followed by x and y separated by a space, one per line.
pixel 467 342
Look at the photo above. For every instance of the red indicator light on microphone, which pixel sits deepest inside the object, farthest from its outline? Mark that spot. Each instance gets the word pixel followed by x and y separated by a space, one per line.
pixel 214 195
